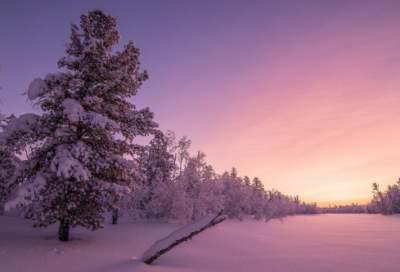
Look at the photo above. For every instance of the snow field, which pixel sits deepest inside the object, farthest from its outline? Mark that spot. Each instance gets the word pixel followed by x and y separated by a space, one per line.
pixel 334 242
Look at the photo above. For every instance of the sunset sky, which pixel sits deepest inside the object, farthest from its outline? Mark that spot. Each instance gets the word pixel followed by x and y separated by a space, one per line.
pixel 304 95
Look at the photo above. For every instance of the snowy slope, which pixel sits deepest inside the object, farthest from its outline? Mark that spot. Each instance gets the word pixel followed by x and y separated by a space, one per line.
pixel 301 243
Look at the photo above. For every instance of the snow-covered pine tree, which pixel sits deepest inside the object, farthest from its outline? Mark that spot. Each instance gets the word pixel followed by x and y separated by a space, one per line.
pixel 157 165
pixel 8 164
pixel 246 181
pixel 193 178
pixel 257 198
pixel 77 166
pixel 213 196
pixel 236 195
pixel 182 152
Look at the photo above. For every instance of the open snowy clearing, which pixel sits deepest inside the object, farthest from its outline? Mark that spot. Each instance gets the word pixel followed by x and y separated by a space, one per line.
pixel 350 242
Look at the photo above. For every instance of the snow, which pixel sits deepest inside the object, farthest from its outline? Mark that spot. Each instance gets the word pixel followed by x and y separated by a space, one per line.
pixel 117 189
pixel 92 100
pixel 72 109
pixel 75 113
pixel 36 88
pixel 27 192
pixel 101 121
pixel 335 242
pixel 23 124
pixel 66 164
pixel 75 25
pixel 92 43
pixel 53 77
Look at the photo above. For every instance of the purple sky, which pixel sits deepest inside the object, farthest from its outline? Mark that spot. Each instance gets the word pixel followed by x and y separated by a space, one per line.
pixel 303 94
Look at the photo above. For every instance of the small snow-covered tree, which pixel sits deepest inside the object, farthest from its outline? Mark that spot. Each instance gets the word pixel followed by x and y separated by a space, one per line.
pixel 77 163
pixel 387 202
pixel 161 192
pixel 380 200
pixel 258 199
pixel 157 166
pixel 213 189
pixel 182 154
pixel 8 165
pixel 237 195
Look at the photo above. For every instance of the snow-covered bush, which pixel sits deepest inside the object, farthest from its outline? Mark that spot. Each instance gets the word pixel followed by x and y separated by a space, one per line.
pixel 77 165
pixel 371 207
pixel 387 202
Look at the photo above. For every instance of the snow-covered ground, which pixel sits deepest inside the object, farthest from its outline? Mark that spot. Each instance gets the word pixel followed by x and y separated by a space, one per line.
pixel 301 243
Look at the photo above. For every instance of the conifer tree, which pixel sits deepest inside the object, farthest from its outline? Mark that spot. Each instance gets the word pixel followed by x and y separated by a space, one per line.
pixel 157 166
pixel 77 164
pixel 159 162
pixel 8 164
pixel 246 181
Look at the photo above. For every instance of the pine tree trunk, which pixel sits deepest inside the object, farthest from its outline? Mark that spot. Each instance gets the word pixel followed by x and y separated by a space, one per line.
pixel 115 217
pixel 63 231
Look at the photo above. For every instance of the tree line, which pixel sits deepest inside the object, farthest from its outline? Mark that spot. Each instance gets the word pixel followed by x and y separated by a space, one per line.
pixel 180 187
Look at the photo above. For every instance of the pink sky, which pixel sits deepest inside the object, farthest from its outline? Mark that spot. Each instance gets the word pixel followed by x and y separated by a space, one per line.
pixel 315 114
pixel 303 94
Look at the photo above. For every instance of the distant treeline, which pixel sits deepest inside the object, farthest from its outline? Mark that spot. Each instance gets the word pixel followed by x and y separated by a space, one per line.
pixel 386 202
pixel 353 208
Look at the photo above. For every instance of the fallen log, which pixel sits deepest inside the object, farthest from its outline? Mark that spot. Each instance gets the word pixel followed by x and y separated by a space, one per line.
pixel 181 235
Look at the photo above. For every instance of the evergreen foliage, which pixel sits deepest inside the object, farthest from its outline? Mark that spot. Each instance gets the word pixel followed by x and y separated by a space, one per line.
pixel 8 164
pixel 77 164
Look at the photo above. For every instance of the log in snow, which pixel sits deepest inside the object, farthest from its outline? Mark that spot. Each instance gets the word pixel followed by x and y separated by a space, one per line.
pixel 183 234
